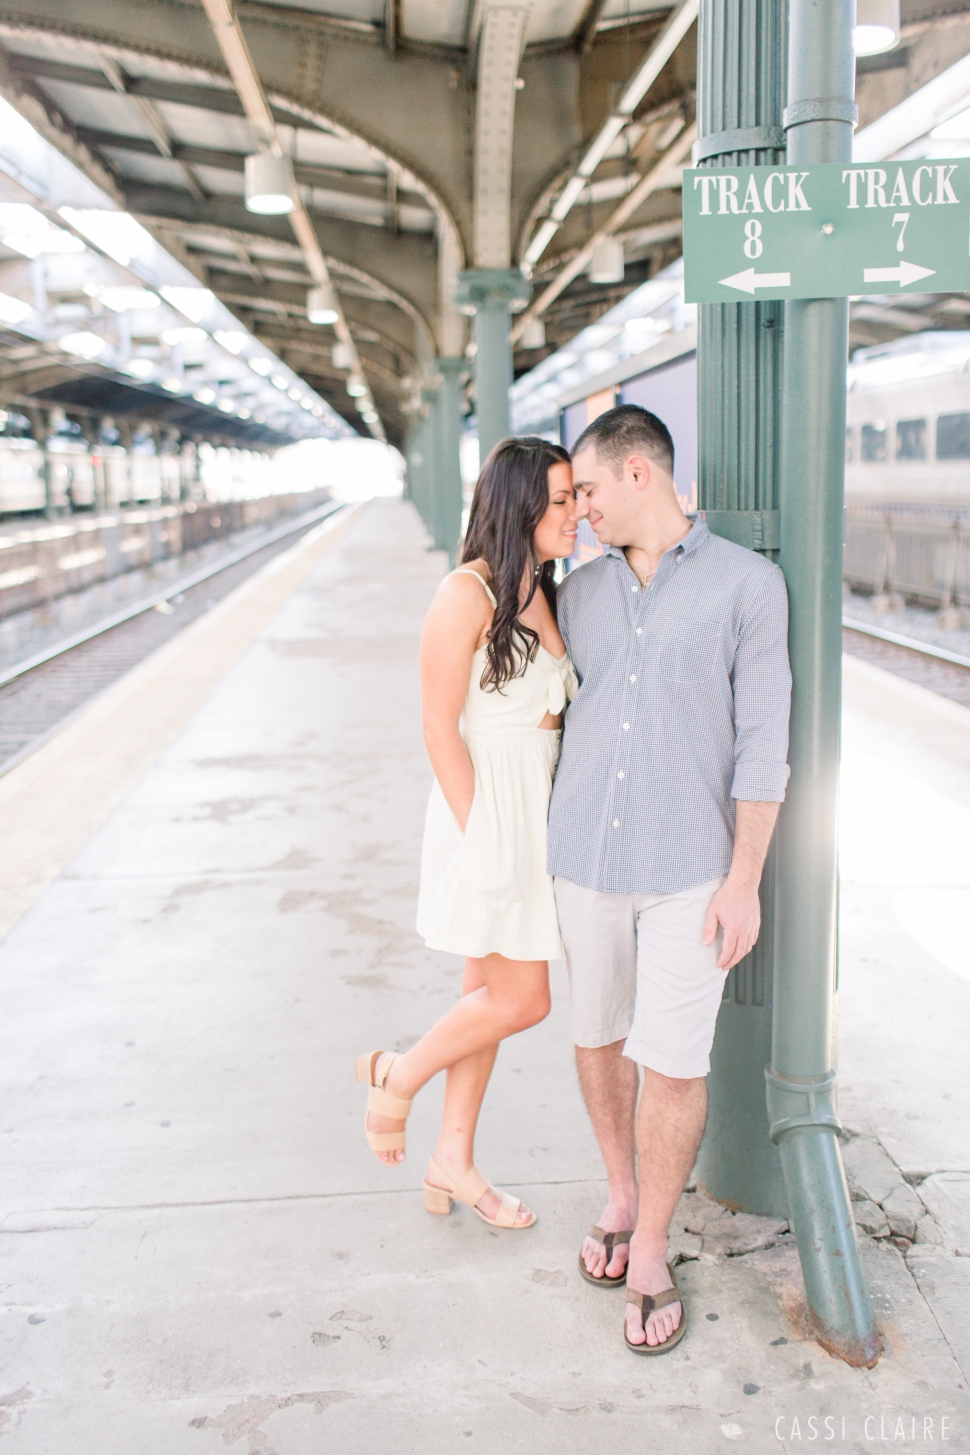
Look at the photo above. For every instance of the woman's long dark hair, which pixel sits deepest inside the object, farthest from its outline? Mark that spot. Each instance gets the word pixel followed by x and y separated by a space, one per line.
pixel 511 497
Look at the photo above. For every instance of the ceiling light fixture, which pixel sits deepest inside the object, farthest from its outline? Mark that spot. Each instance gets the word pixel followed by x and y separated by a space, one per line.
pixel 83 345
pixel 269 184
pixel 173 336
pixel 606 263
pixel 534 334
pixel 343 356
pixel 115 233
pixel 321 305
pixel 261 366
pixel 278 381
pixel 121 299
pixel 13 310
pixel 876 27
pixel 192 303
pixel 232 339
pixel 356 386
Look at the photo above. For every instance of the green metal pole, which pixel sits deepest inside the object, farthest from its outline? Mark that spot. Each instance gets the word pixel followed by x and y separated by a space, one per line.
pixel 489 293
pixel 418 473
pixel 801 1080
pixel 447 485
pixel 432 397
pixel 740 98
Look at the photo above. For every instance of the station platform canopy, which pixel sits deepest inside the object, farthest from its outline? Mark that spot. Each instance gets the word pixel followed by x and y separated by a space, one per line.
pixel 422 141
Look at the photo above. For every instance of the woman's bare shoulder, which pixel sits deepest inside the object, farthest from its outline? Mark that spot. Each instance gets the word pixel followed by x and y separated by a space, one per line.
pixel 461 586
pixel 461 602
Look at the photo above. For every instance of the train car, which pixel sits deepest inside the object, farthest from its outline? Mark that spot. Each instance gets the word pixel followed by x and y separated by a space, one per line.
pixel 144 469
pixel 908 422
pixel 22 485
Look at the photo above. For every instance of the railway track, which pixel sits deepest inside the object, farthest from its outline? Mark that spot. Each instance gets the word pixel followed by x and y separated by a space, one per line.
pixel 940 671
pixel 42 694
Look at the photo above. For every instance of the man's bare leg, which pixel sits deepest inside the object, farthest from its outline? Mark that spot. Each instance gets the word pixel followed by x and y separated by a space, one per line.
pixel 670 1124
pixel 609 1082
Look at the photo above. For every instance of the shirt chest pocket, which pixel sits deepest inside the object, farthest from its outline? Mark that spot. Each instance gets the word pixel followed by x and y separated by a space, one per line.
pixel 689 651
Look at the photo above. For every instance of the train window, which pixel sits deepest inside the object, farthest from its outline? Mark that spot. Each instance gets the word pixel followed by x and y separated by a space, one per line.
pixel 874 441
pixel 849 444
pixel 911 439
pixel 953 437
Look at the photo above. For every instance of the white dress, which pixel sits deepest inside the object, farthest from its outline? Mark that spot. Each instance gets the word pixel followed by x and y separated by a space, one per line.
pixel 487 891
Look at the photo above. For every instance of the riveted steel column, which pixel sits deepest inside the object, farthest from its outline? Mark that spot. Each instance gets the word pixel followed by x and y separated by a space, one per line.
pixel 490 294
pixel 740 98
pixel 801 1080
pixel 446 416
pixel 418 468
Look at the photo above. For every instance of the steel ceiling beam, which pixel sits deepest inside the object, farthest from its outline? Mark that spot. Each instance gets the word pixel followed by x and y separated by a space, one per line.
pixel 369 186
pixel 152 88
pixel 235 53
pixel 633 93
pixel 657 178
pixel 162 138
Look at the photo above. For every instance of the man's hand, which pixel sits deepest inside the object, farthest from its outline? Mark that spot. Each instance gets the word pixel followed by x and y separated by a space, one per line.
pixel 735 906
pixel 737 909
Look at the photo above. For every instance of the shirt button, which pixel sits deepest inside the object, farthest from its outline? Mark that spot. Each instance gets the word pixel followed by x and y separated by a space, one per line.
pixel 634 588
pixel 633 679
pixel 621 774
pixel 626 727
pixel 616 823
pixel 639 631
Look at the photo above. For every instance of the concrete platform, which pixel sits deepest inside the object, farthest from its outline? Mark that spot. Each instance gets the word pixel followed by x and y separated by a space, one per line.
pixel 197 1250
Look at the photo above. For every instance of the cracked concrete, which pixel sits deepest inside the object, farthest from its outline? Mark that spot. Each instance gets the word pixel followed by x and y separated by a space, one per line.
pixel 197 1251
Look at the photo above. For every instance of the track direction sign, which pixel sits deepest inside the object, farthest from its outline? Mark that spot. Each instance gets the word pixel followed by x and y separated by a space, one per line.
pixel 827 231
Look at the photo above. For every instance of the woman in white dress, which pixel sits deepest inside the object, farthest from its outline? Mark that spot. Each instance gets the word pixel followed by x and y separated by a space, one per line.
pixel 495 680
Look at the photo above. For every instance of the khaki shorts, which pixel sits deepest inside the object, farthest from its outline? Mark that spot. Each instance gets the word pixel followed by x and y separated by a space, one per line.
pixel 639 973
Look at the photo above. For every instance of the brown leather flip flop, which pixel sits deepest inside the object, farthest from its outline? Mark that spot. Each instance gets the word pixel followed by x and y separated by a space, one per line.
pixel 609 1241
pixel 646 1303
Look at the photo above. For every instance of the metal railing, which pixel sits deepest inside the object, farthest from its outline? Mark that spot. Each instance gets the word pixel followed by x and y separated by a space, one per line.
pixel 918 552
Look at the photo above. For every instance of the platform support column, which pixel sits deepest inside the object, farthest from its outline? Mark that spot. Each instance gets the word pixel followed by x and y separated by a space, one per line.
pixel 419 466
pixel 801 1081
pixel 741 96
pixel 446 421
pixel 491 294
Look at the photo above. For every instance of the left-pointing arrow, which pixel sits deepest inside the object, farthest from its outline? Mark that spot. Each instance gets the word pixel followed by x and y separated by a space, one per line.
pixel 749 280
pixel 902 274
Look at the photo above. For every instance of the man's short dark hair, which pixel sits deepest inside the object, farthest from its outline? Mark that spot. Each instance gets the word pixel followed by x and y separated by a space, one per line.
pixel 625 431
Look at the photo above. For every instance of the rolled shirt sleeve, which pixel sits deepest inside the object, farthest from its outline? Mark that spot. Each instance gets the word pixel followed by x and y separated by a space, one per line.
pixel 762 696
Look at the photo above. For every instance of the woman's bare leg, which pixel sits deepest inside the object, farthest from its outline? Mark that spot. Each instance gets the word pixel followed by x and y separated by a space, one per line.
pixel 509 996
pixel 465 1085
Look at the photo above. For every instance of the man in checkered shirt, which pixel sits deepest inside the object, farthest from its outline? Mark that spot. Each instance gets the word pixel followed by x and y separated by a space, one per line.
pixel 672 771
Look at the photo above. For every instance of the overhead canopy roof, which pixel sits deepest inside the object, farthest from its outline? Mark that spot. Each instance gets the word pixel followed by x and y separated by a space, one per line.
pixel 376 103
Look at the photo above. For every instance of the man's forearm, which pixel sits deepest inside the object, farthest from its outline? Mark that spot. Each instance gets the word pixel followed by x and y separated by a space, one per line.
pixel 754 825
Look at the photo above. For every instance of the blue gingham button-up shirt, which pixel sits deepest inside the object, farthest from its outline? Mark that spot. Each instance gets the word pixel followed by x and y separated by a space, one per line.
pixel 683 707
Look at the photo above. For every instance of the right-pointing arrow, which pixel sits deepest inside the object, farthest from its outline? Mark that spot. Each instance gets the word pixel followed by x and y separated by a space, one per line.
pixel 903 274
pixel 749 280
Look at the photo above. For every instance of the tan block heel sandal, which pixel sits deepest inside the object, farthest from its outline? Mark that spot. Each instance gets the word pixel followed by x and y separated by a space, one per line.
pixel 470 1190
pixel 381 1103
pixel 646 1303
